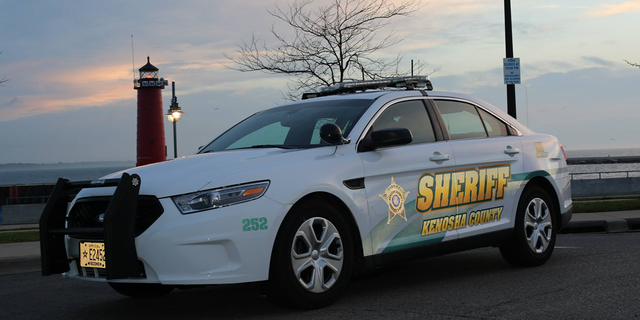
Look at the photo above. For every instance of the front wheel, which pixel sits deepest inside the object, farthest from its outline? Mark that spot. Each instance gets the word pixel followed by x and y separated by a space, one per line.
pixel 535 231
pixel 312 260
pixel 141 290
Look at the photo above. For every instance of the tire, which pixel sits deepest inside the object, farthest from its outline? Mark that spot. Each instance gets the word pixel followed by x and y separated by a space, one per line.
pixel 141 290
pixel 535 230
pixel 322 268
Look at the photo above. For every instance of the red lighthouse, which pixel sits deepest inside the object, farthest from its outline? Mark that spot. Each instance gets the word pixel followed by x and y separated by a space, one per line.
pixel 151 144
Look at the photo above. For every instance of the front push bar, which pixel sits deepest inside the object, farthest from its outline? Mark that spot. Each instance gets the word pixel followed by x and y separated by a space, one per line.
pixel 119 227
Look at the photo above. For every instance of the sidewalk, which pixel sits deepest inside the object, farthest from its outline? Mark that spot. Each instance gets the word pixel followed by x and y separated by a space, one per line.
pixel 19 257
pixel 25 256
pixel 17 226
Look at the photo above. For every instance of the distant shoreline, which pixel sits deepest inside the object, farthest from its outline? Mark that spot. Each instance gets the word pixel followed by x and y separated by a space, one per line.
pixel 61 165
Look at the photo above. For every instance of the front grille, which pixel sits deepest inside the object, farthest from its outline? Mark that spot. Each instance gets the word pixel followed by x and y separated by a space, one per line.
pixel 85 212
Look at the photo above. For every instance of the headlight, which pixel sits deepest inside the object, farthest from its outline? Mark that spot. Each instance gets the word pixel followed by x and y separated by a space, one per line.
pixel 222 197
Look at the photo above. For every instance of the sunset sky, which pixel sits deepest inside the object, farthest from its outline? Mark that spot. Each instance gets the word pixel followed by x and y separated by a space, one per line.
pixel 70 96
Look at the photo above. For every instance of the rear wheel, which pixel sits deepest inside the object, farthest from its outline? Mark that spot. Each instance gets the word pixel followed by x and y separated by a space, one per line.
pixel 535 231
pixel 141 290
pixel 312 259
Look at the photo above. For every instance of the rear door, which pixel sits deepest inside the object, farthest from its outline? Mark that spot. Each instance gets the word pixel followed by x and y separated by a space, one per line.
pixel 488 156
pixel 398 181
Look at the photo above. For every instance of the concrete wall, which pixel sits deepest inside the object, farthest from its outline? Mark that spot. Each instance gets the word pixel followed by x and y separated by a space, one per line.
pixel 21 213
pixel 605 187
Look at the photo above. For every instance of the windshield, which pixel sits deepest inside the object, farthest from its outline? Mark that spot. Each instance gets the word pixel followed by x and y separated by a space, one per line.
pixel 294 126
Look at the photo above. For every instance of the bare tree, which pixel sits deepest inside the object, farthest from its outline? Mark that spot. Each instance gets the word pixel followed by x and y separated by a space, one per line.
pixel 4 79
pixel 632 64
pixel 329 44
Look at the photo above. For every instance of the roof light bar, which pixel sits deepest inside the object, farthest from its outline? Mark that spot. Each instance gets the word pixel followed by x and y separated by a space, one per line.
pixel 409 82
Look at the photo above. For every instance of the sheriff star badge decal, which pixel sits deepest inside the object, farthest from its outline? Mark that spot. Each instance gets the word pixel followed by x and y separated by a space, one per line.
pixel 394 196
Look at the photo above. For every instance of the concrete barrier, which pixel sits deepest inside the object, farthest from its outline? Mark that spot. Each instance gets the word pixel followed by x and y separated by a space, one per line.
pixel 605 187
pixel 21 213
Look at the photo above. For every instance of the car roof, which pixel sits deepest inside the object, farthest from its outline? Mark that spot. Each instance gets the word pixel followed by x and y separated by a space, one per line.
pixel 394 94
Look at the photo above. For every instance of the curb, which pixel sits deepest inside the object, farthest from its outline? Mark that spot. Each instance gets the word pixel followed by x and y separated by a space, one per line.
pixel 19 265
pixel 585 226
pixel 609 226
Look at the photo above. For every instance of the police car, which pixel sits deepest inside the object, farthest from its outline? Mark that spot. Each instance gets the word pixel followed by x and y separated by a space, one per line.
pixel 303 196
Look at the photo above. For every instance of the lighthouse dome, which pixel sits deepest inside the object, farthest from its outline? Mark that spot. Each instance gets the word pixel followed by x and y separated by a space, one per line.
pixel 148 71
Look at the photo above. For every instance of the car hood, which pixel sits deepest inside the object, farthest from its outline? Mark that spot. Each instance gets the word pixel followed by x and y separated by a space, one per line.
pixel 211 170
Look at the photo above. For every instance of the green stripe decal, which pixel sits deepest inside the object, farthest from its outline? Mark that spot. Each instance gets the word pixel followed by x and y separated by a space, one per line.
pixel 400 234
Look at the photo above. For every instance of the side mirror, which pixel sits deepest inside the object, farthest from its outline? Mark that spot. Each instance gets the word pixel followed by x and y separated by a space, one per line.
pixel 390 137
pixel 200 148
pixel 331 133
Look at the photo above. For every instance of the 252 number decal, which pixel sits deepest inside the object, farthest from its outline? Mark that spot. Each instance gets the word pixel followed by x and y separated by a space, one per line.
pixel 254 224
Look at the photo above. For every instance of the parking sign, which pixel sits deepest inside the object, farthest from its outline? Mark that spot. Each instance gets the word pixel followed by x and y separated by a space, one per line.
pixel 511 70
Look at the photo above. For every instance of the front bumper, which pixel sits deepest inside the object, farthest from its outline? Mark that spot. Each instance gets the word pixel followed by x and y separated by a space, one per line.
pixel 208 247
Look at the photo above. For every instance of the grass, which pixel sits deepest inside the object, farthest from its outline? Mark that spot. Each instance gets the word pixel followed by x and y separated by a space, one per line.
pixel 23 236
pixel 604 206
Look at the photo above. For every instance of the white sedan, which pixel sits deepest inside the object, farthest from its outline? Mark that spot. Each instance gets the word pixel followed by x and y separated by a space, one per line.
pixel 304 195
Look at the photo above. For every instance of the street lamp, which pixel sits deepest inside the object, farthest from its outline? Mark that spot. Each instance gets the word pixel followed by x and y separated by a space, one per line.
pixel 174 114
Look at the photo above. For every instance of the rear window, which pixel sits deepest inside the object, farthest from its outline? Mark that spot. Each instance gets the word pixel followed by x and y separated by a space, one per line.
pixel 495 127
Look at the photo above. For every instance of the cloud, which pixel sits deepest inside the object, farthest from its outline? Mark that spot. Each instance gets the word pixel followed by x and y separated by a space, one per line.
pixel 559 103
pixel 557 6
pixel 615 9
pixel 598 61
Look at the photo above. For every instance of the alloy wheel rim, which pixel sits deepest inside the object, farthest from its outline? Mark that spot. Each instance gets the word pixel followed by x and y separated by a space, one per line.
pixel 538 227
pixel 317 255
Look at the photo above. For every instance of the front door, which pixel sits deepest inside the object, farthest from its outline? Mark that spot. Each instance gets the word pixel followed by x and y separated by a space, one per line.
pixel 399 183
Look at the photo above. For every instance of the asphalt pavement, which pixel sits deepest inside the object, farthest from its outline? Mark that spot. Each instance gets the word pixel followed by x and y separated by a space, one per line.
pixel 590 276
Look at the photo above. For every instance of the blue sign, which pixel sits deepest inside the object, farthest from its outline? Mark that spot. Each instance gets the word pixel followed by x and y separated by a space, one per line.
pixel 511 70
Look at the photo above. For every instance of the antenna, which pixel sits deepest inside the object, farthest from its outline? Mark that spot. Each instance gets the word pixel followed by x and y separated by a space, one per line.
pixel 133 66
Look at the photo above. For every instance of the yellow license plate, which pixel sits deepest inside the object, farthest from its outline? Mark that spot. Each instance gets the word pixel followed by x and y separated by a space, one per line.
pixel 92 255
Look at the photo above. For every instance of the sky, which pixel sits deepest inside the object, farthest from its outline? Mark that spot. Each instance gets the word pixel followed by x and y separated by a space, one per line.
pixel 70 95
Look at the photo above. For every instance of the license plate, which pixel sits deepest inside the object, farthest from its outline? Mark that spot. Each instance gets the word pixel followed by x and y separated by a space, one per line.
pixel 92 255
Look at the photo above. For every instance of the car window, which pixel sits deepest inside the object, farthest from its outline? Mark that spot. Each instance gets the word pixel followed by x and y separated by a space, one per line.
pixel 461 119
pixel 495 127
pixel 411 115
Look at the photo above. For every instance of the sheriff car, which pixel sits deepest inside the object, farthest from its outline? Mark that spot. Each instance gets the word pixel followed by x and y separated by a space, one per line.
pixel 303 196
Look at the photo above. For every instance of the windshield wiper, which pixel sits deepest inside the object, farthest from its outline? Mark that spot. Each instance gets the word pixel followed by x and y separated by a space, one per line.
pixel 271 146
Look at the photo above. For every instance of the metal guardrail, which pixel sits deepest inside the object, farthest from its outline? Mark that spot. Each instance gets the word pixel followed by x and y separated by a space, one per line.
pixel 43 198
pixel 612 174
pixel 603 160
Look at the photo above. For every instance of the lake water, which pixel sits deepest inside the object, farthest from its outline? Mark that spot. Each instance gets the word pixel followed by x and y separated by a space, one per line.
pixel 33 175
pixel 38 176
pixel 590 168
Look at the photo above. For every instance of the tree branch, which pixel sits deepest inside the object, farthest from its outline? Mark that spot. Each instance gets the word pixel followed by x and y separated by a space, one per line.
pixel 632 64
pixel 329 44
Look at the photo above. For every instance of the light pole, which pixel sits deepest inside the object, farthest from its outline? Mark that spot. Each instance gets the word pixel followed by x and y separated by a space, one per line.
pixel 508 35
pixel 174 114
pixel 526 97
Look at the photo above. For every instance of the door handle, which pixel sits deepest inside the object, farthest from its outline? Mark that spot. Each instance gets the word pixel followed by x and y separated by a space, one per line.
pixel 511 151
pixel 439 157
